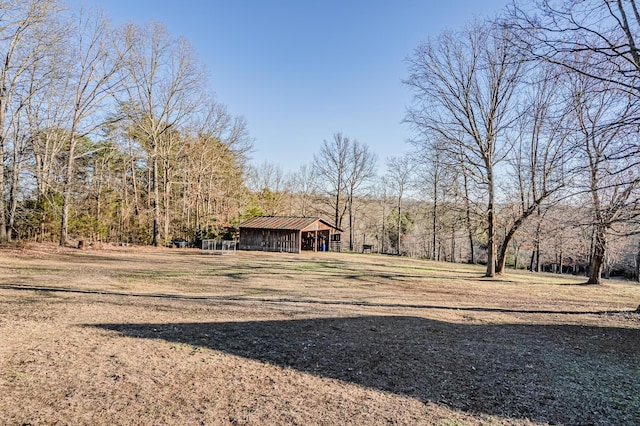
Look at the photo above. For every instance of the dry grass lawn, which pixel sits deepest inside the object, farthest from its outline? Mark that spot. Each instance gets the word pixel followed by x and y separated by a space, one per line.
pixel 140 336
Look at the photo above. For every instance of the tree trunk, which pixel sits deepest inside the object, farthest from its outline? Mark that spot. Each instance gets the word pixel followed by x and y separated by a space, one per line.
pixel 502 258
pixel 399 223
pixel 166 197
pixel 167 219
pixel 535 255
pixel 3 119
pixel 338 223
pixel 3 218
pixel 350 224
pixel 134 181
pixel 598 256
pixel 591 250
pixel 383 227
pixel 532 260
pixel 491 230
pixel 13 198
pixel 472 259
pixel 66 192
pixel 434 223
pixel 156 199
pixel 561 257
pixel 638 264
pixel 453 243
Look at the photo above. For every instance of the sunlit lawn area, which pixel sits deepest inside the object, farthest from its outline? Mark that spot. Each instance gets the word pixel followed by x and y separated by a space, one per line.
pixel 159 336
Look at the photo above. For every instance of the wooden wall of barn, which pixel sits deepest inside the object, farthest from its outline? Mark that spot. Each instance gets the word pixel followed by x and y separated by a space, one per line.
pixel 270 240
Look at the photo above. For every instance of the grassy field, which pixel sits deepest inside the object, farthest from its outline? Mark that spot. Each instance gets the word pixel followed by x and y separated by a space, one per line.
pixel 147 336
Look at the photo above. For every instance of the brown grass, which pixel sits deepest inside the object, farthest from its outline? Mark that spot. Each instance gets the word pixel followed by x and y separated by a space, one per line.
pixel 158 336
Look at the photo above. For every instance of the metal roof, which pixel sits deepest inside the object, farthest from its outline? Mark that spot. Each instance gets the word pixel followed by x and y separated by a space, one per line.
pixel 283 222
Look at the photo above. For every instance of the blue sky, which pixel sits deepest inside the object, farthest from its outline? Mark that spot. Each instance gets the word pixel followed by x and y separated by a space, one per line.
pixel 300 71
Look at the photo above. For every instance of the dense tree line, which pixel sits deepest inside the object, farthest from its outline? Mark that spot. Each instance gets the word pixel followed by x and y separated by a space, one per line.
pixel 525 147
pixel 110 133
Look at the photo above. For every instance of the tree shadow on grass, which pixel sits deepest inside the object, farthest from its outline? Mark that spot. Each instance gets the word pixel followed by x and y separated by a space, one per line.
pixel 556 374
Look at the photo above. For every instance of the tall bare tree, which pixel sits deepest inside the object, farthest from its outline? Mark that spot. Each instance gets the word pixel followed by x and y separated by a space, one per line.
pixel 597 43
pixel 463 85
pixel 399 170
pixel 360 170
pixel 212 168
pixel 28 88
pixel 611 167
pixel 343 167
pixel 23 35
pixel 431 171
pixel 165 84
pixel 46 110
pixel 304 185
pixel 331 164
pixel 542 153
pixel 95 62
pixel 379 203
pixel 469 215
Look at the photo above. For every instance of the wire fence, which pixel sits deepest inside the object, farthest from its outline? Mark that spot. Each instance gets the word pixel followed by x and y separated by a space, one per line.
pixel 223 247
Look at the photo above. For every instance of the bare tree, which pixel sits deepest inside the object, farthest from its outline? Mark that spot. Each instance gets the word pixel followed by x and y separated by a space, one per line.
pixel 611 168
pixel 361 168
pixel 331 165
pixel 379 202
pixel 431 176
pixel 399 170
pixel 463 86
pixel 469 215
pixel 94 78
pixel 212 168
pixel 304 184
pixel 598 39
pixel 164 87
pixel 542 153
pixel 267 182
pixel 46 110
pixel 24 30
pixel 343 166
pixel 28 88
pixel 597 43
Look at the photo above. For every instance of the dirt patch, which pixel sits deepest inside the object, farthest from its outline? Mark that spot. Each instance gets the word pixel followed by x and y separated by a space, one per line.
pixel 125 336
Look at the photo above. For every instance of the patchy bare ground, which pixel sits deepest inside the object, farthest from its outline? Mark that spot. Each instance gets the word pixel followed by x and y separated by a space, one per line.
pixel 152 336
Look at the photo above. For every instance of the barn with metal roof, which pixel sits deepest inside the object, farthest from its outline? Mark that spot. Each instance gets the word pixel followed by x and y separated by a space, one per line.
pixel 289 234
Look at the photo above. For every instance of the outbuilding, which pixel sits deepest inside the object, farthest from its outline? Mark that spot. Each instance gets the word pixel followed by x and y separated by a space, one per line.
pixel 289 234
